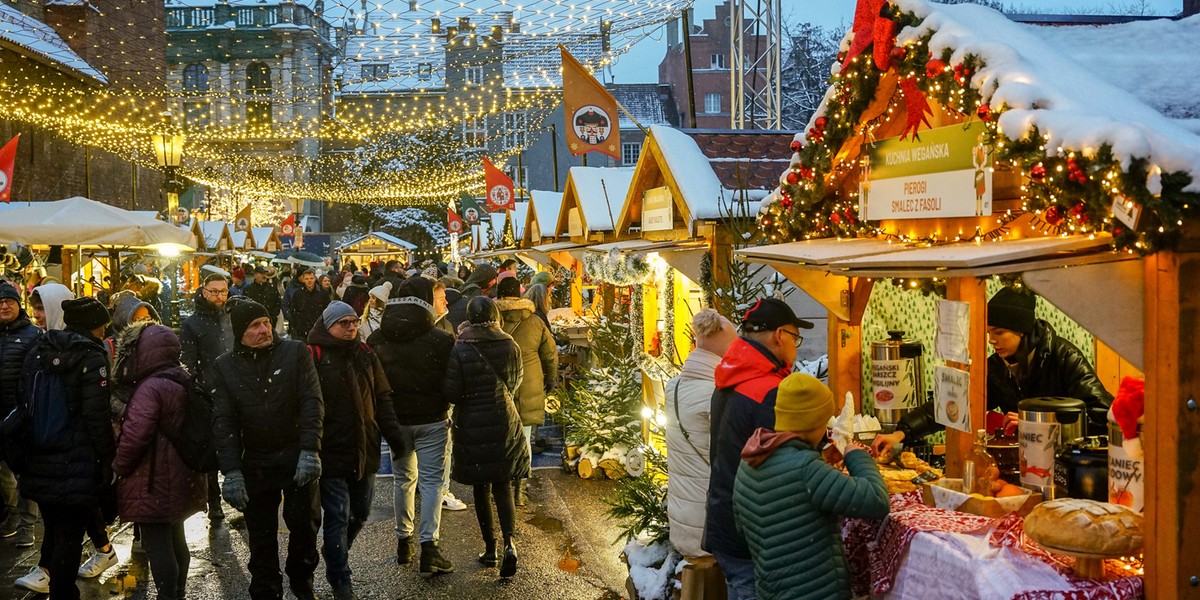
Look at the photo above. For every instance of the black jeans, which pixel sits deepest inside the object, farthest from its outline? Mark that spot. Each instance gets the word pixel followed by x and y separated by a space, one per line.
pixel 166 547
pixel 302 515
pixel 347 504
pixel 62 539
pixel 503 494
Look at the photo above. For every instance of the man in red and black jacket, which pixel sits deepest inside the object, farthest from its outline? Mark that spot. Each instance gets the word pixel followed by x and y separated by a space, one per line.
pixel 746 380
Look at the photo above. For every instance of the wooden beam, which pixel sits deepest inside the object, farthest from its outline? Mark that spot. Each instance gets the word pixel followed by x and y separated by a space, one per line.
pixel 974 292
pixel 830 291
pixel 845 361
pixel 1172 427
pixel 860 295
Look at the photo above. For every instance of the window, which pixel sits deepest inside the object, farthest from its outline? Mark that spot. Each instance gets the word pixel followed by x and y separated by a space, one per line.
pixel 374 72
pixel 424 72
pixel 195 79
pixel 520 178
pixel 474 75
pixel 630 152
pixel 514 130
pixel 196 112
pixel 712 103
pixel 475 132
pixel 717 61
pixel 258 92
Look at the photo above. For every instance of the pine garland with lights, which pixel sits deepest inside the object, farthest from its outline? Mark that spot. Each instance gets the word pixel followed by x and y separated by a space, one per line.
pixel 616 268
pixel 1067 189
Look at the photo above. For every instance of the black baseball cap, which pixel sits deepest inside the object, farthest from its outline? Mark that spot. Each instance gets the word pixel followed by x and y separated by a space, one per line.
pixel 769 314
pixel 260 269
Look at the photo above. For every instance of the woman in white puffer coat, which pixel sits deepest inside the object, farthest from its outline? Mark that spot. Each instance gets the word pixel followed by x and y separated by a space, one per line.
pixel 688 398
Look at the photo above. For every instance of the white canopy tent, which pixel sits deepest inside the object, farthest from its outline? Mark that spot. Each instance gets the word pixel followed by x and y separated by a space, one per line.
pixel 79 221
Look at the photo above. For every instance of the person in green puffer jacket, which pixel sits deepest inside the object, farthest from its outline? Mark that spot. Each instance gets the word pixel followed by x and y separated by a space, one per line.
pixel 787 500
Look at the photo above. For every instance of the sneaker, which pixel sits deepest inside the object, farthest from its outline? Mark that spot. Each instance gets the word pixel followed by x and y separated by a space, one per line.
pixel 37 581
pixel 449 502
pixel 24 537
pixel 98 563
pixel 10 525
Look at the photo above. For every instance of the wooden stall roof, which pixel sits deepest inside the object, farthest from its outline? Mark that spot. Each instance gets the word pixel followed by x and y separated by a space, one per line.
pixel 212 236
pixel 597 193
pixel 386 238
pixel 266 239
pixel 541 218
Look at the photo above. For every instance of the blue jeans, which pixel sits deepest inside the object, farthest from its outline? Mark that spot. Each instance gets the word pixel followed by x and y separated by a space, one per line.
pixel 420 462
pixel 346 505
pixel 739 576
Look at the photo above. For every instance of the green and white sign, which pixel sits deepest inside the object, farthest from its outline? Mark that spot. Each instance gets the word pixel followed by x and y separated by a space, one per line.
pixel 947 173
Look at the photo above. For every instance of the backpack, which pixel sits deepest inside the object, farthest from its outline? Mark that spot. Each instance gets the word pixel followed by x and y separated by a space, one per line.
pixel 193 440
pixel 41 421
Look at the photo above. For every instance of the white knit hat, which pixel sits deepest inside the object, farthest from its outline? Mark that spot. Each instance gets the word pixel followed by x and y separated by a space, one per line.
pixel 382 291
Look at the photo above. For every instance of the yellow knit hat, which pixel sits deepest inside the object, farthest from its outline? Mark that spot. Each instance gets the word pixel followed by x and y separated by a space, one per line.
pixel 802 403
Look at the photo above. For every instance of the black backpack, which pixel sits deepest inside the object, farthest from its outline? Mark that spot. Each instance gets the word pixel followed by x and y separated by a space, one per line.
pixel 41 421
pixel 194 438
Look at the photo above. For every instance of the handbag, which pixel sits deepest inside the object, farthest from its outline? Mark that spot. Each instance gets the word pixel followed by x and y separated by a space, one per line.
pixel 508 394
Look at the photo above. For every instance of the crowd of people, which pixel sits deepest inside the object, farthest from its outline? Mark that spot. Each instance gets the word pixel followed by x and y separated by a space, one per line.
pixel 296 384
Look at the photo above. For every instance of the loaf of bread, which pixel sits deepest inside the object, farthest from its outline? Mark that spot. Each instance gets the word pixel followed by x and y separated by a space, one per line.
pixel 1085 526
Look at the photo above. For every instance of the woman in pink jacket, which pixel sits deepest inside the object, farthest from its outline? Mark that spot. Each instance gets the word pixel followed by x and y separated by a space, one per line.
pixel 156 489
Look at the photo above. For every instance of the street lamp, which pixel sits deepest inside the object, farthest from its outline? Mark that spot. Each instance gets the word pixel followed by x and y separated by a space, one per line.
pixel 168 151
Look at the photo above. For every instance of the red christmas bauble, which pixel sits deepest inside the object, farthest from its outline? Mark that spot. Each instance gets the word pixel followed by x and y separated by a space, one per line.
pixel 1054 215
pixel 793 177
pixel 806 172
pixel 1077 213
pixel 899 52
pixel 1038 173
pixel 820 123
pixel 786 202
pixel 934 68
pixel 984 112
pixel 849 214
pixel 796 145
pixel 835 218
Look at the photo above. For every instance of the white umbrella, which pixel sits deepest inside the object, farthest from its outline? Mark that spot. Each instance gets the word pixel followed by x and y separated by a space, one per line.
pixel 79 221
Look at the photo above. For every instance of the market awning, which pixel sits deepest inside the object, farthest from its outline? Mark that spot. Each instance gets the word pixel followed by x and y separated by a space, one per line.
pixel 816 253
pixel 976 259
pixel 621 246
pixel 544 253
pixel 79 221
pixel 495 253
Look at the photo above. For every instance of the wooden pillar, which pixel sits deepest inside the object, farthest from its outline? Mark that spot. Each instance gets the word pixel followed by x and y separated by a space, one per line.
pixel 1172 428
pixel 974 292
pixel 845 361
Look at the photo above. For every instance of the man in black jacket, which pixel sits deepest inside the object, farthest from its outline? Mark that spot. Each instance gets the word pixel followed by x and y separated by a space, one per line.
pixel 306 303
pixel 267 423
pixel 1030 361
pixel 204 336
pixel 264 291
pixel 414 354
pixel 68 481
pixel 17 335
pixel 479 283
pixel 355 390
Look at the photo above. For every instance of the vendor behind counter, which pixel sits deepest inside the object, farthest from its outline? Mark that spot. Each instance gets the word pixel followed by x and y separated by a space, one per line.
pixel 1030 361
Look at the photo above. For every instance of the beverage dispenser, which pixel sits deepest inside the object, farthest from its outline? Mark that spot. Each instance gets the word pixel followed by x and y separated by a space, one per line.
pixel 1047 425
pixel 897 378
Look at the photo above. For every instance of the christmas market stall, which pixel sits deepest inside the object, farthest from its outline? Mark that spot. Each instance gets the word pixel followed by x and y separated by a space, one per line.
pixel 959 158
pixel 214 246
pixel 266 242
pixel 375 246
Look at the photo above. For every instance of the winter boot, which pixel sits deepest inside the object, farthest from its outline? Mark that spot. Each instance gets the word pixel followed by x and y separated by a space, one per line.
pixel 508 567
pixel 404 551
pixel 488 557
pixel 520 498
pixel 432 561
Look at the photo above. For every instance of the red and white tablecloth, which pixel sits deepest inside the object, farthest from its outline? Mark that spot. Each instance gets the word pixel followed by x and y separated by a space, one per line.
pixel 921 553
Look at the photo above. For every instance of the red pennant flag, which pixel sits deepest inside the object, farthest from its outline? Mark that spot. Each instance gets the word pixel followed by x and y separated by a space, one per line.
pixel 499 186
pixel 454 223
pixel 8 159
pixel 591 111
pixel 288 226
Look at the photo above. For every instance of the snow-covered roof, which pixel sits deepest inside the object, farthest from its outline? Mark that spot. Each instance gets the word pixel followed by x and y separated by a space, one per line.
pixel 387 237
pixel 546 205
pixel 1046 89
pixel 38 40
pixel 212 231
pixel 262 235
pixel 698 183
pixel 600 192
pixel 239 238
pixel 519 213
pixel 1153 60
pixel 649 103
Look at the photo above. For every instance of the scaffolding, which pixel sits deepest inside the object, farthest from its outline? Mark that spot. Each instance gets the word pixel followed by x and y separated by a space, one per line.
pixel 755 47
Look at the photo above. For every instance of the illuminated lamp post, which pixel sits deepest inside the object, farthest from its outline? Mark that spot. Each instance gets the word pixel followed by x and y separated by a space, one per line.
pixel 168 151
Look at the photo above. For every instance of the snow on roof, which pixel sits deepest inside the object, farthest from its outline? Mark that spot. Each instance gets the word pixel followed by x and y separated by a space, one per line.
pixel 600 192
pixel 1045 89
pixel 546 205
pixel 648 103
pixel 698 183
pixel 42 42
pixel 519 213
pixel 239 238
pixel 1153 60
pixel 212 232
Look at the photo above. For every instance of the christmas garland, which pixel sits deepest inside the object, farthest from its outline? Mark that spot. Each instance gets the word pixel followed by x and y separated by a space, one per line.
pixel 1071 191
pixel 617 269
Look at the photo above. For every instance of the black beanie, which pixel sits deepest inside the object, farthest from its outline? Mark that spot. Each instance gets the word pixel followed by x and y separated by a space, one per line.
pixel 509 287
pixel 242 313
pixel 9 291
pixel 1012 310
pixel 84 314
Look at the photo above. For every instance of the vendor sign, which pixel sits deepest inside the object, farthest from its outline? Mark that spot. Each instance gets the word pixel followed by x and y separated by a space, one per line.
pixel 946 173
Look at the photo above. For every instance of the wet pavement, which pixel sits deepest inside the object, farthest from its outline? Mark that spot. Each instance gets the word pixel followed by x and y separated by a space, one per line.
pixel 565 519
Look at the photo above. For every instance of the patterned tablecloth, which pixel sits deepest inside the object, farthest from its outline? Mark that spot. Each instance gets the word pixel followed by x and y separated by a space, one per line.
pixel 922 552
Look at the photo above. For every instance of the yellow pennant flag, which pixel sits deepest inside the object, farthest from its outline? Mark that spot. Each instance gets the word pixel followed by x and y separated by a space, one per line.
pixel 591 111
pixel 242 221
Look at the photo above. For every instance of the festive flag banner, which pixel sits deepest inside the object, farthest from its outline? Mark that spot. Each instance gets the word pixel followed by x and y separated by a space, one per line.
pixel 454 223
pixel 8 160
pixel 471 211
pixel 591 111
pixel 288 226
pixel 242 221
pixel 500 195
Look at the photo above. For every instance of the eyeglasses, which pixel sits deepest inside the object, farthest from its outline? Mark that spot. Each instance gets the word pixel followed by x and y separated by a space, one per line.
pixel 799 338
pixel 217 292
pixel 347 323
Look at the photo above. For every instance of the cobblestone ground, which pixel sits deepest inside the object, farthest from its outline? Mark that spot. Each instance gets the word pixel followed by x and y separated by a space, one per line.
pixel 564 513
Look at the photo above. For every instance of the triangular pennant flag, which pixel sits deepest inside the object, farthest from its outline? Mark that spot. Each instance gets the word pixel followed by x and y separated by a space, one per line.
pixel 499 188
pixel 471 212
pixel 242 221
pixel 591 111
pixel 8 160
pixel 288 226
pixel 454 223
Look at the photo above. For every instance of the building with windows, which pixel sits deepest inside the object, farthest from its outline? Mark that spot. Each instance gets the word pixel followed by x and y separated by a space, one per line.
pixel 255 78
